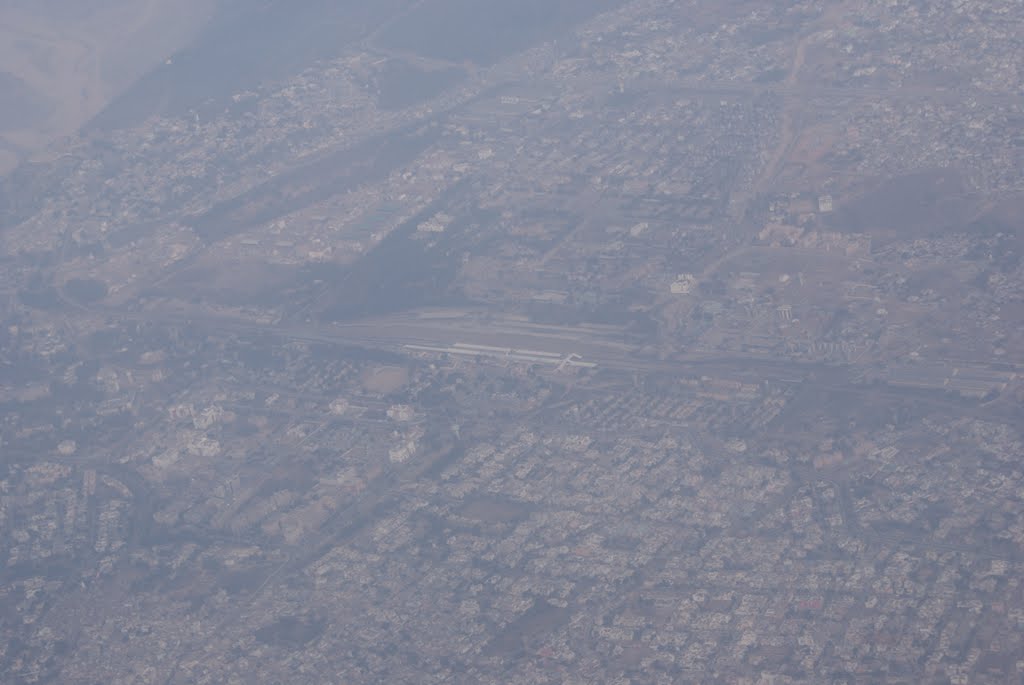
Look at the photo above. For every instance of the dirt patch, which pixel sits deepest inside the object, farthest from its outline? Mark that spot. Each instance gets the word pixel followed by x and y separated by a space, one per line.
pixel 403 85
pixel 1006 217
pixel 85 290
pixel 292 631
pixel 496 510
pixel 539 620
pixel 385 379
pixel 241 283
pixel 923 204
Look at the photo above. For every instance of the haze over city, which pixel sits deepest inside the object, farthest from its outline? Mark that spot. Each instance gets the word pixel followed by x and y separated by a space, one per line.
pixel 511 342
